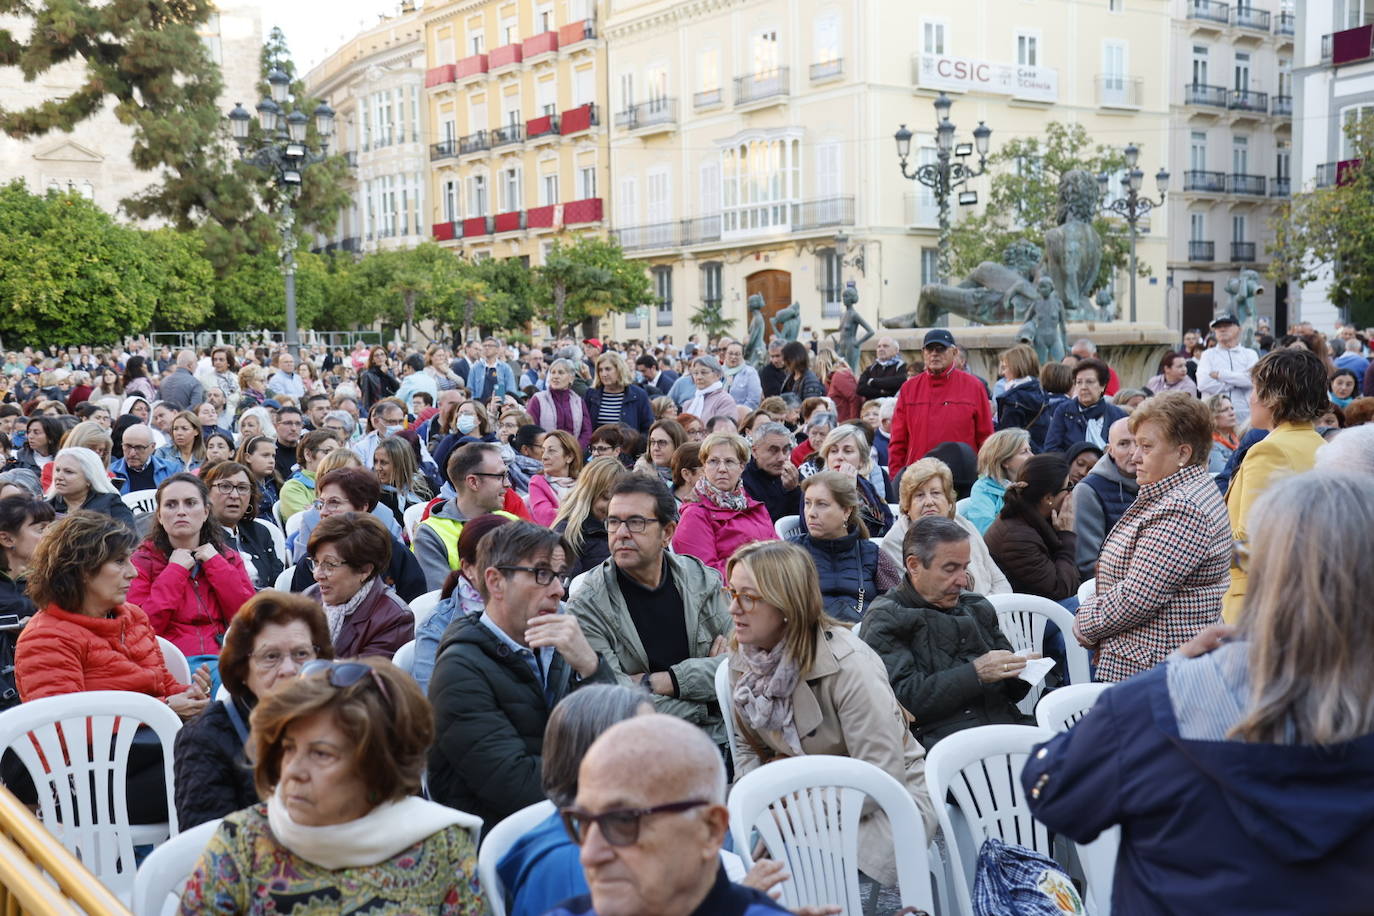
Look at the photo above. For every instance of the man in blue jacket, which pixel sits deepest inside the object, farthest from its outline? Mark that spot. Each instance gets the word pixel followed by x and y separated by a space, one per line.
pixel 491 374
pixel 1087 416
pixel 141 468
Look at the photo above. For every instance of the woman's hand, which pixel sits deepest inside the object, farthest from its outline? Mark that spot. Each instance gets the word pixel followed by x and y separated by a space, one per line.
pixel 1083 641
pixel 190 702
pixel 767 874
pixel 183 558
pixel 1210 638
pixel 205 553
pixel 1063 517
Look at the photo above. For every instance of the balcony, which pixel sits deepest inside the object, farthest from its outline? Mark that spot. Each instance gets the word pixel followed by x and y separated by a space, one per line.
pixel 505 56
pixel 1280 187
pixel 541 217
pixel 1333 174
pixel 1240 183
pixel 1203 94
pixel 759 89
pixel 651 237
pixel 1350 46
pixel 709 98
pixel 545 43
pixel 1247 100
pixel 1209 11
pixel 582 211
pixel 1202 251
pixel 544 126
pixel 1286 24
pixel 824 211
pixel 476 226
pixel 444 232
pixel 512 221
pixel 1114 91
pixel 479 142
pixel 1281 106
pixel 652 117
pixel 437 76
pixel 579 119
pixel 1243 252
pixel 444 149
pixel 827 70
pixel 505 136
pixel 701 229
pixel 470 67
pixel 1204 182
pixel 1246 17
pixel 575 32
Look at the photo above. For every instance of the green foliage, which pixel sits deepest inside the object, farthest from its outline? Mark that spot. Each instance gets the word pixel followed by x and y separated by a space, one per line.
pixel 251 294
pixel 588 279
pixel 709 320
pixel 181 278
pixel 509 296
pixel 1329 233
pixel 1024 199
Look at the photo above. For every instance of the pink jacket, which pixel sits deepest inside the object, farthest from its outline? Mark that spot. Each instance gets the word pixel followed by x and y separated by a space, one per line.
pixel 717 404
pixel 712 534
pixel 544 501
pixel 191 612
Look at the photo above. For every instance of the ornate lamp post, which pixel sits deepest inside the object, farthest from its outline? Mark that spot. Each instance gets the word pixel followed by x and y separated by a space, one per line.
pixel 285 155
pixel 943 175
pixel 1132 207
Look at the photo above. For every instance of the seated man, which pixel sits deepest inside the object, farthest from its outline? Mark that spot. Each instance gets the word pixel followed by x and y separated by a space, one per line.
pixel 770 477
pixel 949 663
pixel 658 619
pixel 1103 496
pixel 499 674
pixel 141 468
pixel 664 859
pixel 480 481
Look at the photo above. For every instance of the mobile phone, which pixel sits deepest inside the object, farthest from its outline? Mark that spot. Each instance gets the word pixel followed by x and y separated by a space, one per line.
pixel 500 391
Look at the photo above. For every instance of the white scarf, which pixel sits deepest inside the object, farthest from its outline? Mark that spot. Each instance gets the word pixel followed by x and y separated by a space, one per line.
pixel 697 405
pixel 335 613
pixel 383 833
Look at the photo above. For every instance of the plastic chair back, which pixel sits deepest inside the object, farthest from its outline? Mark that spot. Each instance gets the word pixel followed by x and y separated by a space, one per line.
pixel 140 501
pixel 411 518
pixel 162 876
pixel 76 746
pixel 405 657
pixel 1087 590
pixel 424 606
pixel 283 583
pixel 981 767
pixel 727 706
pixel 1059 709
pixel 1022 619
pixel 497 843
pixel 787 526
pixel 293 524
pixel 806 811
pixel 175 660
pixel 278 540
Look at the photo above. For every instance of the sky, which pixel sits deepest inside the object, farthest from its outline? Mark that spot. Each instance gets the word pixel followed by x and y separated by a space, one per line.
pixel 316 28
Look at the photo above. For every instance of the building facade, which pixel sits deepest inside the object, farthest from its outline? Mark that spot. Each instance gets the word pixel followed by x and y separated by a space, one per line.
pixel 752 143
pixel 375 84
pixel 515 91
pixel 1232 118
pixel 1335 86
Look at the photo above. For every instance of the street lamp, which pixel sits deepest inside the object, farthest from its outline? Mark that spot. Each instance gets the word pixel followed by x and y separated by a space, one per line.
pixel 945 175
pixel 1132 206
pixel 284 153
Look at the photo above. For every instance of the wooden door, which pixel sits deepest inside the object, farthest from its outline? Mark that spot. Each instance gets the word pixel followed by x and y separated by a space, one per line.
pixel 776 288
pixel 1199 306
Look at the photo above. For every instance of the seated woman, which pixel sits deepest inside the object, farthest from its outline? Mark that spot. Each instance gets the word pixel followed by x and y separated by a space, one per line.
pixel 256 421
pixel 355 490
pixel 79 482
pixel 23 520
pixel 190 582
pixel 1023 404
pixel 664 438
pixel 231 507
pixel 851 569
pixel 86 434
pixel 397 471
pixel 1173 376
pixel 582 517
pixel 350 552
pixel 338 754
pixel 299 491
pixel 335 460
pixel 1247 745
pixel 219 446
pixel 999 461
pixel 686 472
pixel 562 464
pixel 614 399
pixel 186 451
pixel 1032 540
pixel 709 399
pixel 1166 562
pixel 524 456
pixel 928 490
pixel 802 684
pixel 561 408
pixel 725 517
pixel 846 449
pixel 458 598
pixel 41 438
pixel 273 636
pixel 1224 436
pixel 87 636
pixel 259 455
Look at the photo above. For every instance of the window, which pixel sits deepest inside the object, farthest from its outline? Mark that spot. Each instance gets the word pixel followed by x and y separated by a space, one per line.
pixel 365 118
pixel 1285 77
pixel 710 189
pixel 586 181
pixel 476 43
pixel 584 86
pixel 512 105
pixel 451 210
pixel 1197 227
pixel 708 69
pixel 443 47
pixel 478 120
pixel 546 97
pixel 760 184
pixel 627 91
pixel 930 265
pixel 932 37
pixel 1238 228
pixel 510 30
pixel 628 204
pixel 450 132
pixel 510 190
pixel 765 54
pixel 1283 160
pixel 1116 6
pixel 1199 65
pixel 828 172
pixel 826 39
pixel 414 114
pixel 477 196
pixel 659 231
pixel 829 281
pixel 1352 115
pixel 1240 155
pixel 1242 70
pixel 663 290
pixel 1197 151
pixel 1358 13
pixel 711 283
pixel 1027 49
pixel 656 86
pixel 548 190
pixel 1114 67
pixel 543 19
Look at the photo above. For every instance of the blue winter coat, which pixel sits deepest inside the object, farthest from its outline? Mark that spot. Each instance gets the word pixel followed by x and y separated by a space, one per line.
pixel 635 410
pixel 163 467
pixel 845 567
pixel 1028 407
pixel 985 503
pixel 1070 424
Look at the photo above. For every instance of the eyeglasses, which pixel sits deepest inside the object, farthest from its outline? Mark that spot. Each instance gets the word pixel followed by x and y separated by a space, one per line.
pixel 333 505
pixel 131 447
pixel 722 462
pixel 345 674
pixel 227 488
pixel 329 567
pixel 619 827
pixel 270 659
pixel 504 476
pixel 542 574
pixel 599 449
pixel 746 602
pixel 636 523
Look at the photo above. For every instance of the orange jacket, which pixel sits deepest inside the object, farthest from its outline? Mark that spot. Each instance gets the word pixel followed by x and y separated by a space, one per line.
pixel 60 652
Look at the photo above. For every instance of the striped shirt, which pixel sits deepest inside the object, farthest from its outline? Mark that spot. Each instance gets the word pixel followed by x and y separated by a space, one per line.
pixel 609 410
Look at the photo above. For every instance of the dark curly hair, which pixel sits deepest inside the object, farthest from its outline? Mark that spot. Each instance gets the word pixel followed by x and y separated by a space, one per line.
pixel 80 542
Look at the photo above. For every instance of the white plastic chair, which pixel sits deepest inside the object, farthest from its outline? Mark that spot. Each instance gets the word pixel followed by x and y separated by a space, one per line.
pixel 787 526
pixel 497 843
pixel 293 524
pixel 894 508
pixel 1087 590
pixel 410 518
pixel 276 513
pixel 140 501
pixel 577 582
pixel 278 540
pixel 424 606
pixel 82 750
pixel 982 767
pixel 175 660
pixel 1022 619
pixel 222 694
pixel 405 657
pixel 283 583
pixel 727 705
pixel 162 876
pixel 1059 709
pixel 807 809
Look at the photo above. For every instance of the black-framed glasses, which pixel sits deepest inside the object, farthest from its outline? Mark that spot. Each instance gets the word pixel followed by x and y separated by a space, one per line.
pixel 636 523
pixel 227 488
pixel 345 674
pixel 620 826
pixel 504 475
pixel 542 574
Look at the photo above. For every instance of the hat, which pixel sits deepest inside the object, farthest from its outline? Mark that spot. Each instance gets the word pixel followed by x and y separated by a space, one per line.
pixel 272 403
pixel 940 336
pixel 593 342
pixel 1078 448
pixel 1224 318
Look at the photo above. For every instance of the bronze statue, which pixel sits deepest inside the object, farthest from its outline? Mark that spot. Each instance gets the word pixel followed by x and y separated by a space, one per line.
pixel 754 352
pixel 1045 328
pixel 1073 250
pixel 1242 290
pixel 850 322
pixel 985 296
pixel 787 322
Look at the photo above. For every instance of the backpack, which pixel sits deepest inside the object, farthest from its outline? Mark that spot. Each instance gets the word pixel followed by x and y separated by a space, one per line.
pixel 1014 879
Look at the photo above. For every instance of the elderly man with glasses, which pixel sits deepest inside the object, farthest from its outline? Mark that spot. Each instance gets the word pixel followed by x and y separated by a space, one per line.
pixel 141 468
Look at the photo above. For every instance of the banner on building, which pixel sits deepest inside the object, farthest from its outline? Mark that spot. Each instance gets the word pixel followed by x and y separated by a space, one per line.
pixel 965 74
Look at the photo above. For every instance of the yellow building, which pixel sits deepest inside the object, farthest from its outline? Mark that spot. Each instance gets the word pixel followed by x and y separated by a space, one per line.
pixel 515 93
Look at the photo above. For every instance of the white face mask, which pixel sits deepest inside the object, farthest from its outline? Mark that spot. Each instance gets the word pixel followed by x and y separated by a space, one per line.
pixel 467 423
pixel 393 430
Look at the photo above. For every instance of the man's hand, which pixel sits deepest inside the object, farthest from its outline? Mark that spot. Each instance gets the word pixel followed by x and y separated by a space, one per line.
pixel 1210 638
pixel 660 683
pixel 1215 373
pixel 998 665
pixel 790 476
pixel 564 634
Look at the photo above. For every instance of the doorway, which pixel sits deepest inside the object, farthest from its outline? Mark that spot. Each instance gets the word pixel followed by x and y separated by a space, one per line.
pixel 1198 305
pixel 776 288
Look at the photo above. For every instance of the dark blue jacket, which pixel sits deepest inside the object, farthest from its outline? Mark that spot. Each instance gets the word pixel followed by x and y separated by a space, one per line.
pixel 635 410
pixel 1210 827
pixel 725 899
pixel 1070 423
pixel 541 869
pixel 1224 478
pixel 845 565
pixel 1027 407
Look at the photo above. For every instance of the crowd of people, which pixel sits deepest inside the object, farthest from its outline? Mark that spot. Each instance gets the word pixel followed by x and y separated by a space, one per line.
pixel 603 525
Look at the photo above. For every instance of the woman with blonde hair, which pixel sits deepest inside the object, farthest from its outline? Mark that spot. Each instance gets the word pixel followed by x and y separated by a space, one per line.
pixel 581 517
pixel 1023 403
pixel 186 451
pixel 1248 745
pixel 665 408
pixel 1225 437
pixel 999 460
pixel 664 438
pixel 724 517
pixel 615 399
pixel 399 474
pixel 852 570
pixel 562 464
pixel 847 449
pixel 802 684
pixel 252 387
pixel 928 489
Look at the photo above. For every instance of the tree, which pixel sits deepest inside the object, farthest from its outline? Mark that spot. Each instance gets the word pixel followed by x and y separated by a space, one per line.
pixel 180 278
pixel 1023 200
pixel 1328 233
pixel 709 320
pixel 251 293
pixel 586 280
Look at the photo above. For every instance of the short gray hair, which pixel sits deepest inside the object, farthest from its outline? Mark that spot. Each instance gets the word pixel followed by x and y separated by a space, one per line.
pixel 564 364
pixel 1084 342
pixel 923 537
pixel 772 428
pixel 1351 450
pixel 822 418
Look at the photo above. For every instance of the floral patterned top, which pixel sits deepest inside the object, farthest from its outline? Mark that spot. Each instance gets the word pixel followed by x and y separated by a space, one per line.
pixel 244 870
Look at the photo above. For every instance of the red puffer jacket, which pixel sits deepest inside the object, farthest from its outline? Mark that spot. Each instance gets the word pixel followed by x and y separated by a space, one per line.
pixel 192 611
pixel 60 652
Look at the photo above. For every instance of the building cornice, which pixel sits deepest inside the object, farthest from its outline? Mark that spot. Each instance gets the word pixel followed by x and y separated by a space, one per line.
pixel 678 13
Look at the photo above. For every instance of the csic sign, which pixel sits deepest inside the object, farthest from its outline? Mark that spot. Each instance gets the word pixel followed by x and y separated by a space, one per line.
pixel 964 74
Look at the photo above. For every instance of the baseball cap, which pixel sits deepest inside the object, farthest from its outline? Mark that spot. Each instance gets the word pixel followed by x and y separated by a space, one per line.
pixel 593 342
pixel 1224 318
pixel 938 337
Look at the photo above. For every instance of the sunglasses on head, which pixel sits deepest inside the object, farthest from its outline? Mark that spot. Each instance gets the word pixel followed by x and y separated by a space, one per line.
pixel 345 674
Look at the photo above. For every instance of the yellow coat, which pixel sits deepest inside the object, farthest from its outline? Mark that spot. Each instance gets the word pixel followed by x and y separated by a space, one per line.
pixel 1290 449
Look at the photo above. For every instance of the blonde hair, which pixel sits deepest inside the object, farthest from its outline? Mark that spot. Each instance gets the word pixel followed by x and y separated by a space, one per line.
pixel 998 449
pixel 570 446
pixel 596 479
pixel 339 458
pixel 622 371
pixel 786 578
pixel 849 431
pixel 917 474
pixel 1183 419
pixel 734 440
pixel 90 434
pixel 1021 360
pixel 846 493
